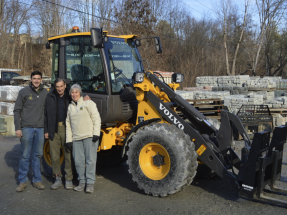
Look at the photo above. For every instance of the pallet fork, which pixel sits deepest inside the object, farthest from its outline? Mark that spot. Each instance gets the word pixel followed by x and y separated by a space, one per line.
pixel 263 167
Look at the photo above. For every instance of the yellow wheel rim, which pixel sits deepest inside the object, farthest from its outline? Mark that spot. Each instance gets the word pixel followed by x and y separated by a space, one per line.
pixel 154 161
pixel 47 156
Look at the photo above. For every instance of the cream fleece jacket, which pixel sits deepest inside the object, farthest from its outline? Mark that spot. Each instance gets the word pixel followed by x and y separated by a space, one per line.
pixel 83 120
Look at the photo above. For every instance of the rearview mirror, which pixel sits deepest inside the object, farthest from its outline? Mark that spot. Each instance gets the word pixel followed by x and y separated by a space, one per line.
pixel 97 38
pixel 157 45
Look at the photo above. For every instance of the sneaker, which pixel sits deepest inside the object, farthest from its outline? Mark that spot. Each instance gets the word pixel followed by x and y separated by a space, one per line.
pixel 58 183
pixel 21 187
pixel 39 185
pixel 80 187
pixel 90 188
pixel 69 185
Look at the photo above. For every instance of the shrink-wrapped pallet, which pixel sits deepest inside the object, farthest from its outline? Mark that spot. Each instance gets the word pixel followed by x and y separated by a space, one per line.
pixel 6 108
pixel 9 93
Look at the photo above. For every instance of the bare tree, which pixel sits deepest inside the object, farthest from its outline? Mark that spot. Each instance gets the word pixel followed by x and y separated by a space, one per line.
pixel 240 37
pixel 227 12
pixel 268 11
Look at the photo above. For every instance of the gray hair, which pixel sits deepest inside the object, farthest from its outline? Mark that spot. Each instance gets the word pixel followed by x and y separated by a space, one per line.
pixel 76 87
pixel 59 80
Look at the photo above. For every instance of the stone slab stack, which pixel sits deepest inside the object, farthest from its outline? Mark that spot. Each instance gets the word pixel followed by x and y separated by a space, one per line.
pixel 237 81
pixel 186 94
pixel 234 102
pixel 216 81
pixel 206 81
pixel 8 96
pixel 211 94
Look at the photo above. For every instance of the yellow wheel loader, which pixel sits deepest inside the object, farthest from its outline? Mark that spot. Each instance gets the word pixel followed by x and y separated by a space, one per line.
pixel 141 121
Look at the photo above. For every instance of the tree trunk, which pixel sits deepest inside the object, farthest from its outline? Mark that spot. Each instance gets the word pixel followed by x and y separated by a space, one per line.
pixel 240 38
pixel 226 54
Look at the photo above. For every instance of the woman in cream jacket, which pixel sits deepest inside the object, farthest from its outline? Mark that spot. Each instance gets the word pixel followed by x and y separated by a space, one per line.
pixel 83 125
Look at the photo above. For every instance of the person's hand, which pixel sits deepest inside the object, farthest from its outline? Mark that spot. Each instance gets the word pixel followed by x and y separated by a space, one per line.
pixel 95 138
pixel 69 146
pixel 47 135
pixel 87 98
pixel 19 133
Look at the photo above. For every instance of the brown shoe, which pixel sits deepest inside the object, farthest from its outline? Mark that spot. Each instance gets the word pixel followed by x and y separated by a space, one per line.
pixel 21 187
pixel 39 185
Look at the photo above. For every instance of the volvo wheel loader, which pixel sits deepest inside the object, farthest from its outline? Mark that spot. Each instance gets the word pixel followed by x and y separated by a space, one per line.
pixel 163 138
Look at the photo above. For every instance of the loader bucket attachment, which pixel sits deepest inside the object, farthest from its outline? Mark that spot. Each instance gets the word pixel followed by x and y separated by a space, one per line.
pixel 263 167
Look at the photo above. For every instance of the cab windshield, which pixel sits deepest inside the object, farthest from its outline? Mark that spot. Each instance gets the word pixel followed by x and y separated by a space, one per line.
pixel 84 64
pixel 123 60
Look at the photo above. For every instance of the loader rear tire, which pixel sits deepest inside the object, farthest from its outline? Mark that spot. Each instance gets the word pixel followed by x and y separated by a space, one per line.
pixel 46 164
pixel 162 159
pixel 111 157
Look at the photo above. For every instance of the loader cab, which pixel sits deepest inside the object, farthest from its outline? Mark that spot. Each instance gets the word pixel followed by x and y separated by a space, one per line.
pixel 104 73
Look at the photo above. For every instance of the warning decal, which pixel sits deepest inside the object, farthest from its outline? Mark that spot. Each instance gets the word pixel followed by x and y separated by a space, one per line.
pixel 201 149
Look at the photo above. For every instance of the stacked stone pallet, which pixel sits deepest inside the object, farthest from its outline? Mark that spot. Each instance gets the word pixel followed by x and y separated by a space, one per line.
pixel 234 102
pixel 206 81
pixel 215 81
pixel 203 95
pixel 8 96
pixel 186 94
pixel 237 81
pixel 211 94
pixel 265 82
pixel 232 90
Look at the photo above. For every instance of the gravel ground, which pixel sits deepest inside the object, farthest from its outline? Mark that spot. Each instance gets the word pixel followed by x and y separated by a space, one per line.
pixel 115 193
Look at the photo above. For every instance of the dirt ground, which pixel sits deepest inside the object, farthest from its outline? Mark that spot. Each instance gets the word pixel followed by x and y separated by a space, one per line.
pixel 115 193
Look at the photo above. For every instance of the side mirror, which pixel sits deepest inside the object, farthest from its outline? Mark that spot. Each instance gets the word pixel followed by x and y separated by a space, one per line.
pixel 97 38
pixel 157 45
pixel 138 42
pixel 48 46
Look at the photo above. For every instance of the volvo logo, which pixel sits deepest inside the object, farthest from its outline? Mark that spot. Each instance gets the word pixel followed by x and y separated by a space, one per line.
pixel 171 116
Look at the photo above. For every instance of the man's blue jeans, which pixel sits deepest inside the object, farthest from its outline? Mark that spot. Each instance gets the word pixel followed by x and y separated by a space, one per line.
pixel 32 140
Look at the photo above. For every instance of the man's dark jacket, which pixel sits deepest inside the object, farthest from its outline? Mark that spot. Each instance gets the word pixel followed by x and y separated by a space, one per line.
pixel 51 112
pixel 29 108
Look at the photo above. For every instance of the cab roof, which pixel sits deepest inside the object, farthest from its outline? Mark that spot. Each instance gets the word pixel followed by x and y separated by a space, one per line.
pixel 89 33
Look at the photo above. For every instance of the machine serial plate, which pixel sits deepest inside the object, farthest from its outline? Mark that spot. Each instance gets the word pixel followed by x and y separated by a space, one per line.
pixel 201 149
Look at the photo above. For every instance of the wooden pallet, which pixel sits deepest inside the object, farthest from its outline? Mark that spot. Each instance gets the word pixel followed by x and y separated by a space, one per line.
pixel 211 109
pixel 278 110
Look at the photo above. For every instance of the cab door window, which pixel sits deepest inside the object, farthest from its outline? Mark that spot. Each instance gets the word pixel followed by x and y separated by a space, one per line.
pixel 84 65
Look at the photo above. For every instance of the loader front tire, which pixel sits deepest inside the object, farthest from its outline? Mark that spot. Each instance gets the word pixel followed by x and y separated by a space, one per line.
pixel 162 159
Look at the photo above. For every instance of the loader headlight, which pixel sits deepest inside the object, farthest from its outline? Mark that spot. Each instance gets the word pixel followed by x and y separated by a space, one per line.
pixel 177 77
pixel 138 77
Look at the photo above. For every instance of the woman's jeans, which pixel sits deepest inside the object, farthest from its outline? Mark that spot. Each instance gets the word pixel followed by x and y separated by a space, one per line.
pixel 85 157
pixel 32 140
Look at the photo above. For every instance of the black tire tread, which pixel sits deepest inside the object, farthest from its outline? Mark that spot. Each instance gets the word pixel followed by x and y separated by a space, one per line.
pixel 184 147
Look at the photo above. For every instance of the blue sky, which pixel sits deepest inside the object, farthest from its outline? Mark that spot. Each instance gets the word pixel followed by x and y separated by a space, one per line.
pixel 200 8
pixel 207 8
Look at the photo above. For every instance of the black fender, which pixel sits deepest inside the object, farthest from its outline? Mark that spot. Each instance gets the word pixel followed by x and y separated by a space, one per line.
pixel 134 130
